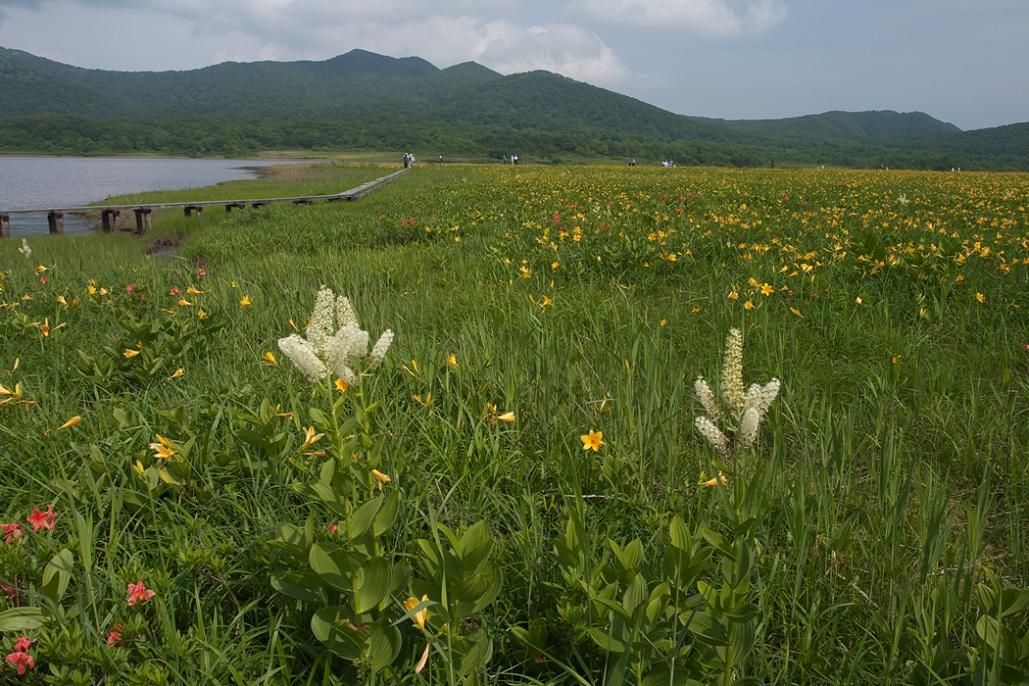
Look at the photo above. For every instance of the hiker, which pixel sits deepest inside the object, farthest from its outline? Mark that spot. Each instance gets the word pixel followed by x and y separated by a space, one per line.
pixel 407 160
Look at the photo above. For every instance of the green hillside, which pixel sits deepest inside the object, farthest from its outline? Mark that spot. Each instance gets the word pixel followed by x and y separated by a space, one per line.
pixel 364 100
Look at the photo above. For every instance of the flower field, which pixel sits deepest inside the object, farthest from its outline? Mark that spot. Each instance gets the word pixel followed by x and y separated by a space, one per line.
pixel 527 425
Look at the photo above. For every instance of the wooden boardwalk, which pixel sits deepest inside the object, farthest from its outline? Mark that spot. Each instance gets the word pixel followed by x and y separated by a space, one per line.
pixel 110 215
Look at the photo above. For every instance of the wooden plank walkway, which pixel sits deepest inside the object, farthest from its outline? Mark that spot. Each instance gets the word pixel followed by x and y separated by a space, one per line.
pixel 110 214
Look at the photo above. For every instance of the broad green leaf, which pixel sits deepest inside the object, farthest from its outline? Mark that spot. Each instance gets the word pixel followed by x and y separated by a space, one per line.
pixel 304 586
pixel 329 627
pixel 635 595
pixel 475 546
pixel 679 536
pixel 21 619
pixel 57 574
pixel 385 517
pixel 606 642
pixel 371 584
pixel 363 517
pixel 384 643
pixel 478 656
pixel 334 565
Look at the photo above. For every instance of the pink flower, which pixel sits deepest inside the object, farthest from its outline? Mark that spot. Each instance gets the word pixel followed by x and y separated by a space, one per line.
pixel 114 638
pixel 42 520
pixel 22 645
pixel 139 594
pixel 11 532
pixel 42 279
pixel 21 661
pixel 201 272
pixel 174 292
pixel 131 288
pixel 333 528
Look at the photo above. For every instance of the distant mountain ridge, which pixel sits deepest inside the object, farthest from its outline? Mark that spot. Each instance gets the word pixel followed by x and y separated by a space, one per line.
pixel 363 99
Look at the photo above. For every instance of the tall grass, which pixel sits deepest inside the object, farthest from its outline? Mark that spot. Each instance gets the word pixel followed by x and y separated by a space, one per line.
pixel 886 494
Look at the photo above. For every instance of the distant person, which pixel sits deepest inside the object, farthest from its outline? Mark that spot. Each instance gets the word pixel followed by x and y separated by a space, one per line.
pixel 632 162
pixel 441 160
pixel 514 159
pixel 407 160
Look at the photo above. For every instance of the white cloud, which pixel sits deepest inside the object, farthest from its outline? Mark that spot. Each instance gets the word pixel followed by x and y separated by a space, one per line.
pixel 243 30
pixel 562 48
pixel 711 17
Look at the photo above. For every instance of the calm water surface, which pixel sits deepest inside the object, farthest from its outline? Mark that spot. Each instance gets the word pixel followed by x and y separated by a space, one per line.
pixel 48 182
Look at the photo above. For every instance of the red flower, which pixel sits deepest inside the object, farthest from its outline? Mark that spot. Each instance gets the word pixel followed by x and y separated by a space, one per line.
pixel 42 520
pixel 131 288
pixel 21 661
pixel 22 645
pixel 201 272
pixel 139 594
pixel 114 638
pixel 333 528
pixel 10 591
pixel 42 279
pixel 11 532
pixel 174 292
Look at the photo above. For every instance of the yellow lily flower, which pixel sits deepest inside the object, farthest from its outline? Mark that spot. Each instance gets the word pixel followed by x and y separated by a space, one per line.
pixel 70 423
pixel 422 616
pixel 310 438
pixel 381 478
pixel 163 448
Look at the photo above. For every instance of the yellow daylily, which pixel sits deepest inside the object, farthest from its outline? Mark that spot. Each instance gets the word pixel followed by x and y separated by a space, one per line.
pixel 310 438
pixel 719 480
pixel 163 448
pixel 70 423
pixel 381 478
pixel 594 440
pixel 422 616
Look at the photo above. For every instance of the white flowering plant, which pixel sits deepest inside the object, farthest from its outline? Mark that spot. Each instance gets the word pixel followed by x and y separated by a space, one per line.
pixel 335 343
pixel 740 409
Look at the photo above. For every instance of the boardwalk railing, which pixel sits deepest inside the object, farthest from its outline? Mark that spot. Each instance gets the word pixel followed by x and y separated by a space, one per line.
pixel 110 215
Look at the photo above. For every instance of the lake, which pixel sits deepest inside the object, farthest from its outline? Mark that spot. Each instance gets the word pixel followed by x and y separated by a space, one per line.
pixel 50 182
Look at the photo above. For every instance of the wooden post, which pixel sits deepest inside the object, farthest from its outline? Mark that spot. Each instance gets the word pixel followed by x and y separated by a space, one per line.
pixel 142 220
pixel 109 220
pixel 5 226
pixel 188 210
pixel 56 222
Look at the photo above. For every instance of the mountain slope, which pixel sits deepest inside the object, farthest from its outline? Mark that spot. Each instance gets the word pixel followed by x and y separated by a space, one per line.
pixel 361 99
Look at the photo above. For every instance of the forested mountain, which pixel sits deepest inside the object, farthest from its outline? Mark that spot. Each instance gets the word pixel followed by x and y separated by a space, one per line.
pixel 364 100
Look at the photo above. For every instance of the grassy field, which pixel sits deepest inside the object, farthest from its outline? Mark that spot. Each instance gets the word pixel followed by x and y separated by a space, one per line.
pixel 521 492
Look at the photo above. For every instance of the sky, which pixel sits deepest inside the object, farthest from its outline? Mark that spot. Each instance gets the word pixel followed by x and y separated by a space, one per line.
pixel 962 61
